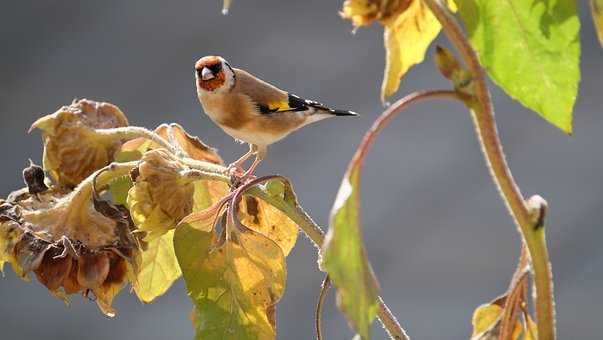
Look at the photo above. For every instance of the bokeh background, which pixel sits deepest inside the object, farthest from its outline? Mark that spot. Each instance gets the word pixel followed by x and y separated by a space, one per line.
pixel 437 233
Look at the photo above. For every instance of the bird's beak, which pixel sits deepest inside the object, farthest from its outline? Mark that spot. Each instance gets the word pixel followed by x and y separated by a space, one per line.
pixel 207 74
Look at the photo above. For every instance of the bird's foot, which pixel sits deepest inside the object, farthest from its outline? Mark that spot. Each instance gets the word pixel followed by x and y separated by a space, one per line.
pixel 238 175
pixel 234 169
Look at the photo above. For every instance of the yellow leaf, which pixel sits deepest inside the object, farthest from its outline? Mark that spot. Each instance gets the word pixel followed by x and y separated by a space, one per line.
pixel 186 144
pixel 407 37
pixel 234 281
pixel 158 269
pixel 269 221
pixel 531 330
pixel 596 7
pixel 485 318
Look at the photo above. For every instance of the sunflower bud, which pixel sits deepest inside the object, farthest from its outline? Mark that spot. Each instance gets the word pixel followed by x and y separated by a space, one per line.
pixel 71 149
pixel 161 195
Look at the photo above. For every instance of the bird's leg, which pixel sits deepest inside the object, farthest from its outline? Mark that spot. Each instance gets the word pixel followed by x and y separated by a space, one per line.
pixel 236 168
pixel 259 157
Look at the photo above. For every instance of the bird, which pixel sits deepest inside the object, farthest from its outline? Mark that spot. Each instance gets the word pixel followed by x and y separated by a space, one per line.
pixel 251 110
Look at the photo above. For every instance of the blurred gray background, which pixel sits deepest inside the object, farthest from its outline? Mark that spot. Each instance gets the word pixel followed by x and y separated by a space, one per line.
pixel 437 233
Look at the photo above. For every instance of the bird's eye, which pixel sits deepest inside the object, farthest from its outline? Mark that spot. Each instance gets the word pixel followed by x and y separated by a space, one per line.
pixel 215 68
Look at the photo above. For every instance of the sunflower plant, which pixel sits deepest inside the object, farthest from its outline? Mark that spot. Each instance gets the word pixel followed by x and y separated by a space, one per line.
pixel 114 205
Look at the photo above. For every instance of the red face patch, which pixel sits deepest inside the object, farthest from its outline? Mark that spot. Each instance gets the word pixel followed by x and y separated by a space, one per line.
pixel 212 63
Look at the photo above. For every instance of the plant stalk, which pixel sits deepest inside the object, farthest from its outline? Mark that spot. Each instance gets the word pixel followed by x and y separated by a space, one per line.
pixel 483 118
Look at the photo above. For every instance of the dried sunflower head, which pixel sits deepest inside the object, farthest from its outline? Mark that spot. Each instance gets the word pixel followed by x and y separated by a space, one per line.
pixel 72 151
pixel 69 246
pixel 161 195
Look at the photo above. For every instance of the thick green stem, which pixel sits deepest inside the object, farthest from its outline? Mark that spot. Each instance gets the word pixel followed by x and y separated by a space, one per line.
pixel 483 117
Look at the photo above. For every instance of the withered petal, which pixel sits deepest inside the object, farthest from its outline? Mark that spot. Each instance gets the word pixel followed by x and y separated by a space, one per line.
pixel 54 269
pixel 93 269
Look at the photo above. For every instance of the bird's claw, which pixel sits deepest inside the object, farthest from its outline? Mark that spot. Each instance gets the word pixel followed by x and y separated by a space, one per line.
pixel 234 170
pixel 238 175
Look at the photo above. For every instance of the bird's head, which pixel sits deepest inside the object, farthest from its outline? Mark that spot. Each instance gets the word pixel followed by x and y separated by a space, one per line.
pixel 214 75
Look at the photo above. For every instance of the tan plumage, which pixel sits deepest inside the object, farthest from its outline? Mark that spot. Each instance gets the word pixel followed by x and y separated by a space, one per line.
pixel 251 110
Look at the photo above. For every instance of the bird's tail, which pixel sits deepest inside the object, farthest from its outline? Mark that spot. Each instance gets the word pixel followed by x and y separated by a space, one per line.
pixel 325 109
pixel 342 112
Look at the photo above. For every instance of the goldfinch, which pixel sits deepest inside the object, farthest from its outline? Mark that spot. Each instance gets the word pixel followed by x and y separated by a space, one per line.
pixel 251 110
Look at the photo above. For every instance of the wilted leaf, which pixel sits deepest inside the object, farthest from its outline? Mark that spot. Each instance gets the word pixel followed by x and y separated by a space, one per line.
pixel 531 48
pixel 344 258
pixel 596 7
pixel 158 270
pixel 72 151
pixel 489 320
pixel 269 221
pixel 235 282
pixel 174 134
pixel 407 37
pixel 485 318
pixel 410 27
pixel 9 235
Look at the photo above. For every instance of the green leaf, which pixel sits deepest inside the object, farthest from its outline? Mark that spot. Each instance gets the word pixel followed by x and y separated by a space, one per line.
pixel 119 189
pixel 158 270
pixel 344 258
pixel 530 48
pixel 596 7
pixel 234 282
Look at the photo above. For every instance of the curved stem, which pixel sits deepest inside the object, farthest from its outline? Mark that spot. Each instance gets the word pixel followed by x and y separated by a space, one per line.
pixel 324 288
pixel 483 117
pixel 297 214
pixel 390 113
pixel 82 194
pixel 131 132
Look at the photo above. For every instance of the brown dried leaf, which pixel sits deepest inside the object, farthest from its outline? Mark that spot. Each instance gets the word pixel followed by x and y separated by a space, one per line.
pixel 174 134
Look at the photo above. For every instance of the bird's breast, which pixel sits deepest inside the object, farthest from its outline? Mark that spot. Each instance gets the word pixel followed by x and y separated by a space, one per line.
pixel 228 111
